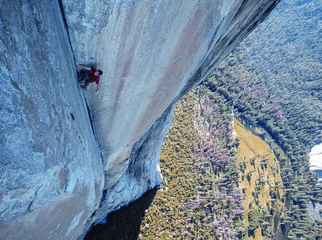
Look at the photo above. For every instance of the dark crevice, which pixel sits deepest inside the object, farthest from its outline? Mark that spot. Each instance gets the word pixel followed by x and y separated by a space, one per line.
pixel 86 103
pixel 90 117
pixel 71 47
pixel 123 224
pixel 66 27
pixel 32 201
pixel 93 129
pixel 103 198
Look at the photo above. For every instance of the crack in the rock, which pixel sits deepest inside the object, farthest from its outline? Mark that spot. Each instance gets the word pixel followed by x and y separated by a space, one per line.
pixel 32 201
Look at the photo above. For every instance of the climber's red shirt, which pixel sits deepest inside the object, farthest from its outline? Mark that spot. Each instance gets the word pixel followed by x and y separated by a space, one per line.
pixel 93 77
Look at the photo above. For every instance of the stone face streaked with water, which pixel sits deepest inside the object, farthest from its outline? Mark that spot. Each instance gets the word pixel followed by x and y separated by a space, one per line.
pixel 151 52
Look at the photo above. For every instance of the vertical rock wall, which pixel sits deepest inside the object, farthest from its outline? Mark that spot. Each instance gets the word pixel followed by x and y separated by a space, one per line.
pixel 53 183
pixel 151 52
pixel 50 168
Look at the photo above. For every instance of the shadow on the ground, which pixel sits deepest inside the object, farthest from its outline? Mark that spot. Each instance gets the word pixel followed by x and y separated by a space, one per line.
pixel 123 224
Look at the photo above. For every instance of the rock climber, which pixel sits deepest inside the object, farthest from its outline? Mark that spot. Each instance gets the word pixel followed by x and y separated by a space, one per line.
pixel 89 75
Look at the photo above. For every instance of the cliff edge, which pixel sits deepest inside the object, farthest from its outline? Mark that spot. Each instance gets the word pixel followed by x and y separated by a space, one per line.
pixel 57 177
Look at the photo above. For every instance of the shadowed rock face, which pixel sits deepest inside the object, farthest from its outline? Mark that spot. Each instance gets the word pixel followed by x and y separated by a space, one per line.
pixel 51 174
pixel 152 52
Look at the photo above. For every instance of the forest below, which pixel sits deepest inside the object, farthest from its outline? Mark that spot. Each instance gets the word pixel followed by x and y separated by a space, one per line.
pixel 274 81
pixel 235 162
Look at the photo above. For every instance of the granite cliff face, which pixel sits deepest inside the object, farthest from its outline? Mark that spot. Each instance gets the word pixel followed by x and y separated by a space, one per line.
pixel 51 175
pixel 57 178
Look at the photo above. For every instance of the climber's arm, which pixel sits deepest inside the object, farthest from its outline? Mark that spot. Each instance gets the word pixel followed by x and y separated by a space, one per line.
pixel 83 66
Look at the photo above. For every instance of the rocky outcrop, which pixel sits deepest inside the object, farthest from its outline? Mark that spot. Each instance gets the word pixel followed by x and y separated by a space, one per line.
pixel 53 182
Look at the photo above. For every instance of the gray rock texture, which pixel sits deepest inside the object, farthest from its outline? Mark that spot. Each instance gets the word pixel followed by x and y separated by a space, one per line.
pixel 51 174
pixel 151 52
pixel 55 182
